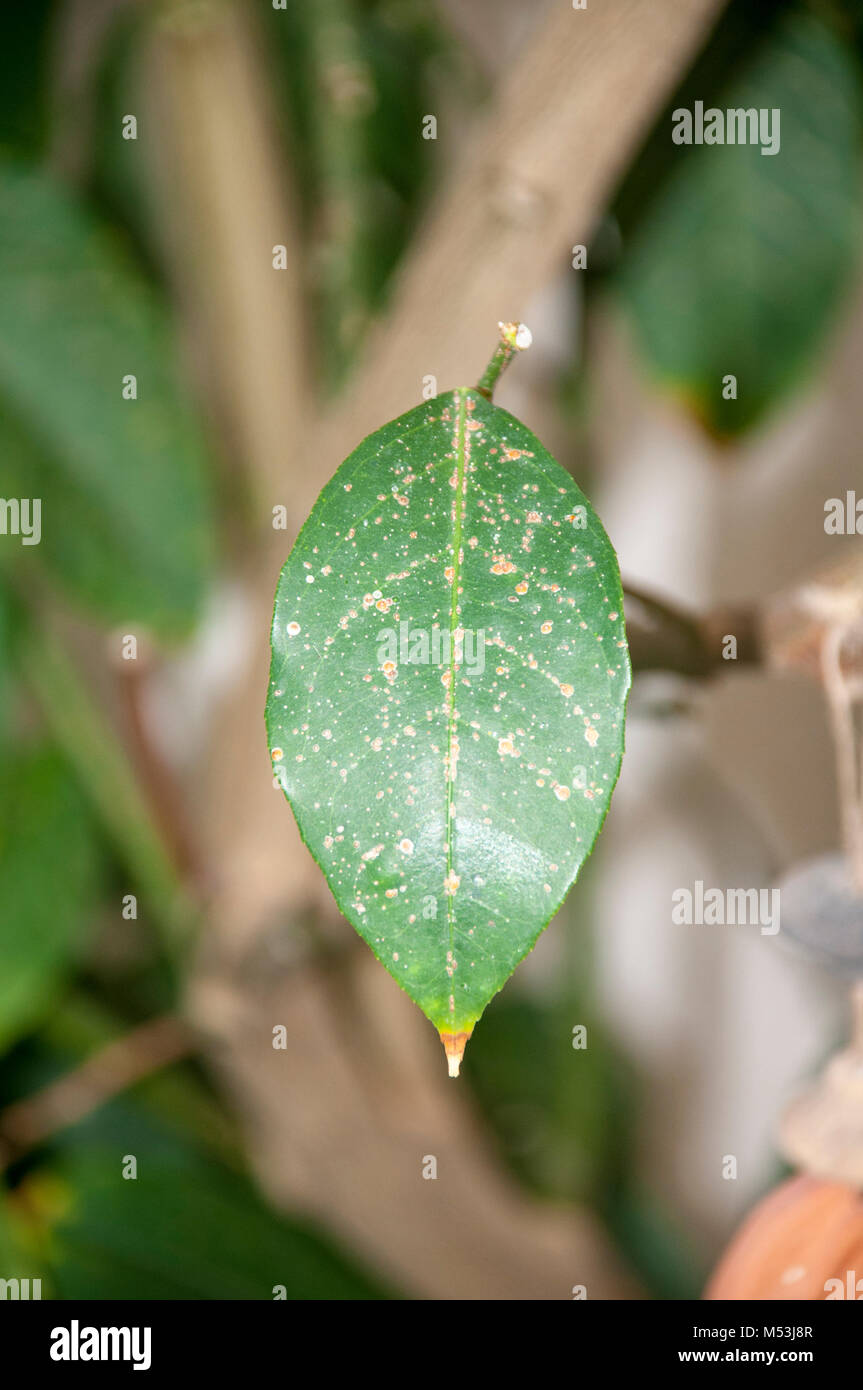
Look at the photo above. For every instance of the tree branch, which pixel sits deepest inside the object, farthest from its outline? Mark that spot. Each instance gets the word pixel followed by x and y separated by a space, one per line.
pixel 115 1068
pixel 663 637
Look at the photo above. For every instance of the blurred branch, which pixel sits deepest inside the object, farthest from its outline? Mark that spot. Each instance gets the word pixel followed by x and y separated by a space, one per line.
pixel 107 778
pixel 783 632
pixel 841 703
pixel 113 1069
pixel 157 778
pixel 663 637
pixel 361 1090
pixel 817 628
pixel 340 253
pixel 511 22
pixel 225 204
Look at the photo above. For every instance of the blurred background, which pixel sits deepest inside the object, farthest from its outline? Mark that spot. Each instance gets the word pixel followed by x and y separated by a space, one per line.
pixel 236 236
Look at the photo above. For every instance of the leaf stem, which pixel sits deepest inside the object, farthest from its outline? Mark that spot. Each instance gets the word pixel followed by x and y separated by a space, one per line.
pixel 514 337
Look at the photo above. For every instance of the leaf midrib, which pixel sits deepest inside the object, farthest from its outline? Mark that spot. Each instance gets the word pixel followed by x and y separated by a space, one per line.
pixel 452 715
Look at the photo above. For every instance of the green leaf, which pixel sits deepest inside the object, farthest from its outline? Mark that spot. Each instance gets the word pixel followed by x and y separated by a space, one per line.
pixel 186 1227
pixel 21 1255
pixel 741 259
pixel 125 507
pixel 6 684
pixel 449 790
pixel 47 885
pixel 25 66
pixel 561 1116
pixel 190 1225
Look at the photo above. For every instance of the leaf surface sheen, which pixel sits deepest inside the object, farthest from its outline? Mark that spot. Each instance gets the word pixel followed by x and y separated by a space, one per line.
pixel 450 801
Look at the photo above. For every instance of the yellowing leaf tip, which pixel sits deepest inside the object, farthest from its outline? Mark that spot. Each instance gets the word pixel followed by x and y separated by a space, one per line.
pixel 454 1046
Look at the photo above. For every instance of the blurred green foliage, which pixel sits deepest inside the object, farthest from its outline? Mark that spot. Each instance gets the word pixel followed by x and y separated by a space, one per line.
pixel 562 1102
pixel 24 90
pixel 189 1224
pixel 47 855
pixel 129 529
pixel 737 263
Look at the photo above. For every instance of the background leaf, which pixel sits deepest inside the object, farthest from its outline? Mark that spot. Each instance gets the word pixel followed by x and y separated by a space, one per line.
pixel 186 1227
pixel 24 94
pixel 6 684
pixel 450 807
pixel 125 508
pixel 47 885
pixel 738 262
pixel 190 1225
pixel 567 1123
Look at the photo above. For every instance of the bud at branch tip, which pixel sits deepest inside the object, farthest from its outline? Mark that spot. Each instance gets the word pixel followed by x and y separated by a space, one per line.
pixel 514 337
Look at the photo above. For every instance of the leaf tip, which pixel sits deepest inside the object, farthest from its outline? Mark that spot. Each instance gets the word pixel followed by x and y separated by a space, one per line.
pixel 454 1046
